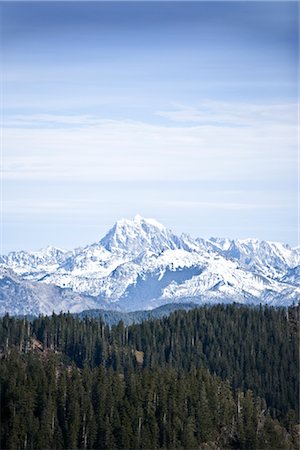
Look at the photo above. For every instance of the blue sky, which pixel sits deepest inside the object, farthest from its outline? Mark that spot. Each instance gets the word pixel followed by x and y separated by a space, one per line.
pixel 182 111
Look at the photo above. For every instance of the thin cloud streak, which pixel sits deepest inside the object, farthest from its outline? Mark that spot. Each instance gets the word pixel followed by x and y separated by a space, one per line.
pixel 76 206
pixel 225 205
pixel 85 147
pixel 240 114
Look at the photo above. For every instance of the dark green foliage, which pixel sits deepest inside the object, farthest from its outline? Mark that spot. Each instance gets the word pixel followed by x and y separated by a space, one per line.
pixel 254 348
pixel 219 377
pixel 48 405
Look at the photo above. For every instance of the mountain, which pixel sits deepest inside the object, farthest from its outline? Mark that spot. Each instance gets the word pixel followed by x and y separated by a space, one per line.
pixel 140 264
pixel 48 259
pixel 19 296
pixel 267 258
pixel 111 317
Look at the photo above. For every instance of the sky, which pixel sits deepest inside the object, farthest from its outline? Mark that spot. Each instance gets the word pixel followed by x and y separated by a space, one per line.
pixel 181 111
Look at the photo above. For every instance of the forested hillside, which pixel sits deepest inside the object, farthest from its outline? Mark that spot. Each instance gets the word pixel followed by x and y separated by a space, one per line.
pixel 213 377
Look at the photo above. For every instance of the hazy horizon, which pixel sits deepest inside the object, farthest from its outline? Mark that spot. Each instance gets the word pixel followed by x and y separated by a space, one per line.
pixel 185 112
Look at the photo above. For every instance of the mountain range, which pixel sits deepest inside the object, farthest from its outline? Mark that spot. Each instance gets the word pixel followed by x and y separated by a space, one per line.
pixel 140 265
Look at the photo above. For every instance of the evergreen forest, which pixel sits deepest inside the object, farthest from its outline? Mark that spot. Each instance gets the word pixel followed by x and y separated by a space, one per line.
pixel 218 377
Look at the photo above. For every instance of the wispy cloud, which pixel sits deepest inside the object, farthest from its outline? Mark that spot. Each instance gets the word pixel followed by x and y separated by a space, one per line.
pixel 226 205
pixel 238 114
pixel 44 207
pixel 53 120
pixel 226 143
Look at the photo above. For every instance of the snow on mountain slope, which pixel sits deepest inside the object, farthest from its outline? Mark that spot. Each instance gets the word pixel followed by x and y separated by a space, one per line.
pixel 226 280
pixel 141 264
pixel 38 262
pixel 265 257
pixel 19 296
pixel 292 276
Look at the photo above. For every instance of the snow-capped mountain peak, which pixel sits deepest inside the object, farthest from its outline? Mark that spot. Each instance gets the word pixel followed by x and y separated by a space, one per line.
pixel 140 234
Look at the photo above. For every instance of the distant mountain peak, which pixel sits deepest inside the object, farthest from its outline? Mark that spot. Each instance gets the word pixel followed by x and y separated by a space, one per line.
pixel 140 234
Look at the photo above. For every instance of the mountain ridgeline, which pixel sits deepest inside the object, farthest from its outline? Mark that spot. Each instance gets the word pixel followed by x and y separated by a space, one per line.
pixel 215 377
pixel 141 265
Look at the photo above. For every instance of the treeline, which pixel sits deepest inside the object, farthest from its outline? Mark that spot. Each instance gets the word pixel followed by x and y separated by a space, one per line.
pixel 225 376
pixel 46 404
